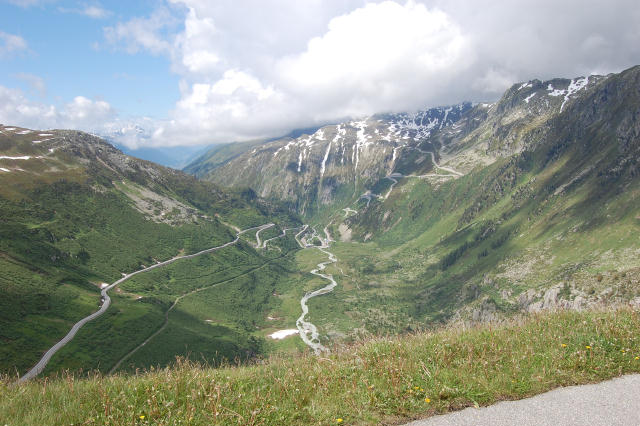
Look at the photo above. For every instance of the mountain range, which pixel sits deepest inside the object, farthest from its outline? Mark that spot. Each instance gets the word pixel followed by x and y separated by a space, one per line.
pixel 462 213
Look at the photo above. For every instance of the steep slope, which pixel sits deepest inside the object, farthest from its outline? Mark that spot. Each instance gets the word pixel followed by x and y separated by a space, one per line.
pixel 76 212
pixel 517 122
pixel 332 165
pixel 528 203
pixel 551 221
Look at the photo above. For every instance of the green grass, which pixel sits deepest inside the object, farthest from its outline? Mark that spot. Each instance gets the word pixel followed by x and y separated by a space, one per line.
pixel 62 235
pixel 388 380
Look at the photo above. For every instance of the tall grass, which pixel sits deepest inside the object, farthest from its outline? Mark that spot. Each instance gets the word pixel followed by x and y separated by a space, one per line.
pixel 386 380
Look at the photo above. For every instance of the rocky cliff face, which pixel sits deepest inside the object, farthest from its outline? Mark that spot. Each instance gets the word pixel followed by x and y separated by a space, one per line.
pixel 519 121
pixel 336 162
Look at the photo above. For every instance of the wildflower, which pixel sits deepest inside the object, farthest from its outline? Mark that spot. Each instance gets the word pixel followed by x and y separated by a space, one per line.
pixel 588 347
pixel 638 357
pixel 564 345
pixel 416 387
pixel 339 420
pixel 427 400
pixel 141 417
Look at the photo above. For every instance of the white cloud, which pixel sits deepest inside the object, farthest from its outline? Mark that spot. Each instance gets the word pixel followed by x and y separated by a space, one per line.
pixel 378 57
pixel 95 12
pixel 194 45
pixel 80 113
pixel 143 33
pixel 375 58
pixel 11 43
pixel 255 69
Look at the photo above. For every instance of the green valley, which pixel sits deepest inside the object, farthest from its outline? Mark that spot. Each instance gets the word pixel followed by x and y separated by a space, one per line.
pixel 461 214
pixel 79 213
pixel 529 204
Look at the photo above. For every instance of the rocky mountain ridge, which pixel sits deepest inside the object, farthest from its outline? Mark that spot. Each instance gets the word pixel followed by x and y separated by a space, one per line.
pixel 338 163
pixel 335 161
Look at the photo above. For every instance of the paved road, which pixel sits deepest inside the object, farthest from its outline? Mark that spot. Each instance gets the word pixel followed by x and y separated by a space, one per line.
pixel 612 403
pixel 106 301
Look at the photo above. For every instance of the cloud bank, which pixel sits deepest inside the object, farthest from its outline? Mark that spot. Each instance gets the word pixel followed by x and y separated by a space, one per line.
pixel 80 113
pixel 258 69
pixel 248 73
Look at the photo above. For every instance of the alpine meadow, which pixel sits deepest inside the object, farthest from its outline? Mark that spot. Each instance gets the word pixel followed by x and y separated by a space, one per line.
pixel 387 211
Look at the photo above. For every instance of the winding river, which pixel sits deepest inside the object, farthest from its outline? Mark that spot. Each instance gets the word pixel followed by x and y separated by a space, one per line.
pixel 307 330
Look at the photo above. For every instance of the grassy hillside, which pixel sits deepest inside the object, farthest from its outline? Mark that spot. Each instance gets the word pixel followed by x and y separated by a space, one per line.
pixel 382 380
pixel 544 216
pixel 78 213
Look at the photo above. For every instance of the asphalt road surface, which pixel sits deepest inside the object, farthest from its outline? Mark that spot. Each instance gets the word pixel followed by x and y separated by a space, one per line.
pixel 613 403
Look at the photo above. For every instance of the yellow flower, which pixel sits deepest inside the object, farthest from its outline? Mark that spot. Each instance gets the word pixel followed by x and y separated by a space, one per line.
pixel 563 345
pixel 638 357
pixel 339 420
pixel 416 387
pixel 141 417
pixel 588 347
pixel 427 400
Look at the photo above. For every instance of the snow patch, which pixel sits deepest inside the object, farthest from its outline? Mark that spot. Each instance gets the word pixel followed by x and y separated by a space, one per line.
pixel 446 114
pixel 324 160
pixel 574 87
pixel 281 334
pixel 361 140
pixel 2 169
pixel 555 92
pixel 43 140
pixel 528 98
pixel 24 157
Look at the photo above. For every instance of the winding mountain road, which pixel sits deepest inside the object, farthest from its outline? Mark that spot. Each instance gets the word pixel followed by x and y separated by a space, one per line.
pixel 393 177
pixel 284 233
pixel 437 166
pixel 179 298
pixel 106 302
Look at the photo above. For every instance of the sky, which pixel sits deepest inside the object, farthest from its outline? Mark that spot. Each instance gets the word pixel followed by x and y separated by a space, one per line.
pixel 154 73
